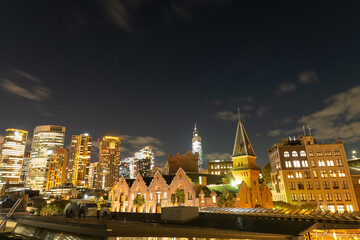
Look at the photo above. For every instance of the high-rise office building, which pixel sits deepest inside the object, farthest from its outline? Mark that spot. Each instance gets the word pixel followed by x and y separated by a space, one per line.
pixel 144 162
pixel 79 160
pixel 304 172
pixel 45 138
pixel 93 175
pixel 57 167
pixel 197 147
pixel 24 167
pixel 127 168
pixel 12 155
pixel 109 162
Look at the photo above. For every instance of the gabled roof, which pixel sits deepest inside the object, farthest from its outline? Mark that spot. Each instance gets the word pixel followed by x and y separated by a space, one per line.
pixel 242 145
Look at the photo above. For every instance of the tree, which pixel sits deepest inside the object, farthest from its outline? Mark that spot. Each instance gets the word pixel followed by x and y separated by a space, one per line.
pixel 138 202
pixel 266 173
pixel 226 199
pixel 178 197
pixel 54 208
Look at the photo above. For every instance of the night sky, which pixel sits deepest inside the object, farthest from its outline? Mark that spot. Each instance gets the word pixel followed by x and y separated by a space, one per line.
pixel 147 70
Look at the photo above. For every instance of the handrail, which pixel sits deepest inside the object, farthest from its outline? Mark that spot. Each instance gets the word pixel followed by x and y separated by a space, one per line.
pixel 12 210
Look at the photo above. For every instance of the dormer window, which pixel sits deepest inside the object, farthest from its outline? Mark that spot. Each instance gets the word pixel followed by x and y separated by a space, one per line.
pixel 286 154
pixel 294 154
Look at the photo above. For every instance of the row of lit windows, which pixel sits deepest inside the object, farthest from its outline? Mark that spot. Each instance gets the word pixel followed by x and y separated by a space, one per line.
pixel 295 154
pixel 309 185
pixel 296 164
pixel 311 154
pixel 323 174
pixel 328 197
pixel 216 172
pixel 228 166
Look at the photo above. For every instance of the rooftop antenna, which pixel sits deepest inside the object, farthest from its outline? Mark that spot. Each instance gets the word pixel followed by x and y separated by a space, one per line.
pixel 309 130
pixel 239 114
pixel 195 126
pixel 304 130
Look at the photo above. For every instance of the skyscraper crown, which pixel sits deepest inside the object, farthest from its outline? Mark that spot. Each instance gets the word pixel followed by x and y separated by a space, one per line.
pixel 242 145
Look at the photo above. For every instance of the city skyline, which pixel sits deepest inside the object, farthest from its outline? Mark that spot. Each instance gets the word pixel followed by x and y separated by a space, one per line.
pixel 63 64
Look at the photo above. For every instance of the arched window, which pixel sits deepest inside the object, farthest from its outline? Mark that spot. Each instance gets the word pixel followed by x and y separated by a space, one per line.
pixel 294 154
pixel 286 154
pixel 302 153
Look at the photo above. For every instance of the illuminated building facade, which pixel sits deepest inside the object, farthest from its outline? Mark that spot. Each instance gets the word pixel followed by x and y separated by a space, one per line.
pixel 144 162
pixel 246 174
pixel 303 171
pixel 45 138
pixel 197 147
pixel 109 162
pixel 93 174
pixel 56 172
pixel 24 167
pixel 12 156
pixel 188 162
pixel 127 168
pixel 220 167
pixel 79 161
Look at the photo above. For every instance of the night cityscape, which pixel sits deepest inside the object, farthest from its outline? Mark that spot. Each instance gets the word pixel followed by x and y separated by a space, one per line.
pixel 210 119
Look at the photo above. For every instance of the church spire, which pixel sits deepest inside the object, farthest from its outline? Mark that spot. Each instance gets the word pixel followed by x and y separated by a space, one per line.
pixel 242 145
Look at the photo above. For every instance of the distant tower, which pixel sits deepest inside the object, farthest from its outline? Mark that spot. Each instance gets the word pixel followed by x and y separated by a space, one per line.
pixel 197 148
pixel 144 162
pixel 109 162
pixel 45 138
pixel 79 160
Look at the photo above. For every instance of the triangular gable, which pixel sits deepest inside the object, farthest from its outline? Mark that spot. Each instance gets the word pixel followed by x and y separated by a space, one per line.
pixel 242 145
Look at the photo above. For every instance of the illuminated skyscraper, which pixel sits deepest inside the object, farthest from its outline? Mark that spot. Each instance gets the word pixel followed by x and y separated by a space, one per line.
pixel 196 147
pixel 12 155
pixel 93 174
pixel 127 167
pixel 45 138
pixel 144 162
pixel 109 162
pixel 57 167
pixel 24 167
pixel 79 161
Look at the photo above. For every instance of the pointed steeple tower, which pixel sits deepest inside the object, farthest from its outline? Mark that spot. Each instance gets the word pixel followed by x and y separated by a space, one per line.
pixel 242 145
pixel 244 159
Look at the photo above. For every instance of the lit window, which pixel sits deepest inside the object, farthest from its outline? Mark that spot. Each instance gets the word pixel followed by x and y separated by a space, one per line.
pixel 311 197
pixel 311 154
pixel 326 185
pixel 286 154
pixel 349 208
pixel 294 197
pixel 332 173
pixel 341 173
pixel 337 196
pixel 296 163
pixel 302 197
pixel 340 208
pixel 294 154
pixel 320 197
pixel 344 185
pixel 298 174
pixel 315 174
pixel 304 163
pixel 302 153
pixel 337 153
pixel 214 199
pixel 328 196
pixel 330 163
pixel 319 154
pixel 292 186
pixel 327 153
pixel 288 164
pixel 290 175
pixel 347 196
pixel 331 208
pixel 339 163
pixel 321 163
